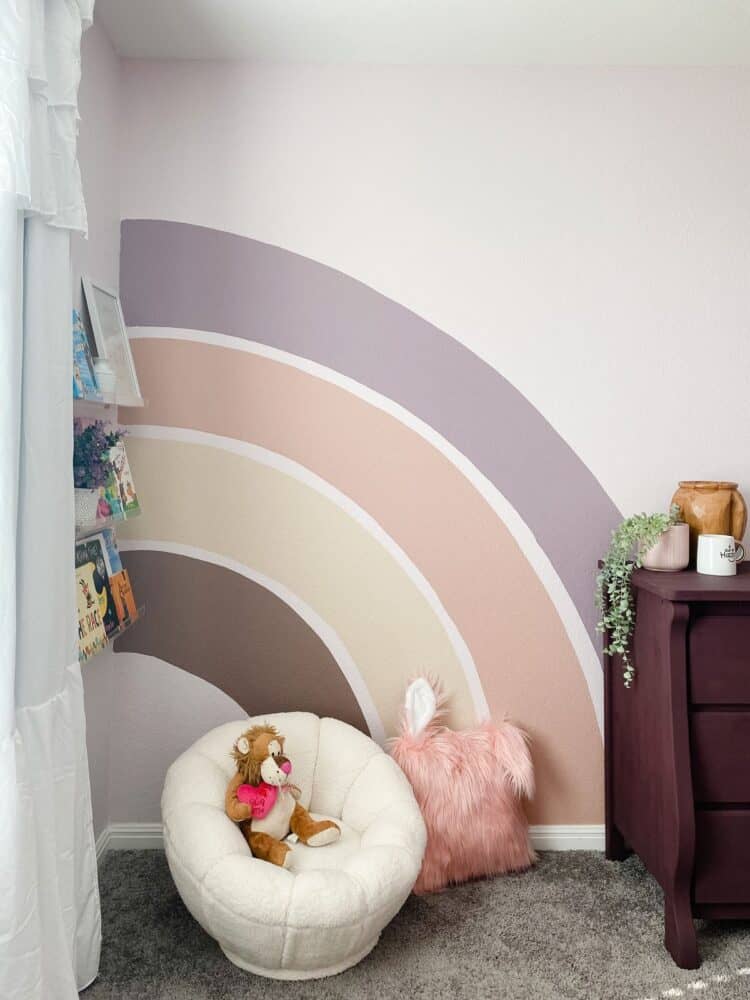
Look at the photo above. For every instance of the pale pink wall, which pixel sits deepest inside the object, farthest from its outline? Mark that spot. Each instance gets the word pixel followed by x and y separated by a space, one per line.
pixel 581 230
pixel 584 231
pixel 99 256
pixel 544 219
pixel 99 107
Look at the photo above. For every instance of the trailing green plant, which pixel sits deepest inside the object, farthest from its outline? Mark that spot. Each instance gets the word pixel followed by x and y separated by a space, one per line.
pixel 614 595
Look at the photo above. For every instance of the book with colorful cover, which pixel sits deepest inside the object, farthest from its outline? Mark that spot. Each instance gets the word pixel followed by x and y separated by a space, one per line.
pixel 110 504
pixel 120 489
pixel 109 499
pixel 92 636
pixel 91 567
pixel 84 377
pixel 127 612
pixel 111 552
pixel 119 581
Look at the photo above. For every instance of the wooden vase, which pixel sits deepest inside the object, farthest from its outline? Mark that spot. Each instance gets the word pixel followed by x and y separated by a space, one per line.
pixel 711 508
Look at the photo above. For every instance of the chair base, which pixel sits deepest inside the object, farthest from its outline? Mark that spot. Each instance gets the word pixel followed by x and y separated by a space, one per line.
pixel 299 974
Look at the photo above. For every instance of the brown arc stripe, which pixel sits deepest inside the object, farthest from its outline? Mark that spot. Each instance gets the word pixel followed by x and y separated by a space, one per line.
pixel 235 634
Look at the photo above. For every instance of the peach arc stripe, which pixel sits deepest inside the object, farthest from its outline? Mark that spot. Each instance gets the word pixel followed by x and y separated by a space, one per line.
pixel 526 664
pixel 328 635
pixel 186 276
pixel 570 618
pixel 240 500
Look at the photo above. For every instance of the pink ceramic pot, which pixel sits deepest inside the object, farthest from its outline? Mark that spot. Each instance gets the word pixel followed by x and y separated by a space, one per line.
pixel 671 552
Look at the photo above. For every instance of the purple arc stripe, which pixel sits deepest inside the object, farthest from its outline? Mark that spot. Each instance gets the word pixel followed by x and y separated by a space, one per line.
pixel 235 634
pixel 184 276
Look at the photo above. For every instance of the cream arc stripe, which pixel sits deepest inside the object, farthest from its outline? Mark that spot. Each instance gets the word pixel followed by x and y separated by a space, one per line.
pixel 288 467
pixel 568 613
pixel 325 632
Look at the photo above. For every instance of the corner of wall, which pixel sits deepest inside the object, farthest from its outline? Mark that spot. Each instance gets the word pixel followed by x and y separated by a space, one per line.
pixel 99 256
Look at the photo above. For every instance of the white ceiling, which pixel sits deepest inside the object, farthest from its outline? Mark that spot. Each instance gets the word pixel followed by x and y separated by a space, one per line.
pixel 443 32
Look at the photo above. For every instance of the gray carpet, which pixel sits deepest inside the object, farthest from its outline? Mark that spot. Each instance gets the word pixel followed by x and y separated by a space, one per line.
pixel 576 926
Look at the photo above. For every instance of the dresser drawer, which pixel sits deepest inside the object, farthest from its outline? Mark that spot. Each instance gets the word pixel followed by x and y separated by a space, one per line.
pixel 719 660
pixel 720 754
pixel 722 856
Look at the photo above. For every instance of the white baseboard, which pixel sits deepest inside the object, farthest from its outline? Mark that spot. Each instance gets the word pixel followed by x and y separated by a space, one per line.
pixel 102 844
pixel 568 837
pixel 148 836
pixel 135 837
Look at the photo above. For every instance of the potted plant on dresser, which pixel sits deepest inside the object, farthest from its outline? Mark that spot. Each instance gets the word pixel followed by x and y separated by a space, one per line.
pixel 659 542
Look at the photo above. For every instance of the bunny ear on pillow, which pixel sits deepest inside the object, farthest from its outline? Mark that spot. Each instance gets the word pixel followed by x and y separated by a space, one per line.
pixel 422 704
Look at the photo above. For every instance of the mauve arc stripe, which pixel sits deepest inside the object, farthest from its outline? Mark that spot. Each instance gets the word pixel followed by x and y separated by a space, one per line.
pixel 180 275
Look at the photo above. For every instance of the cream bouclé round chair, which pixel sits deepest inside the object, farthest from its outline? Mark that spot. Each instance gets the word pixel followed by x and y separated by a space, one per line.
pixel 324 912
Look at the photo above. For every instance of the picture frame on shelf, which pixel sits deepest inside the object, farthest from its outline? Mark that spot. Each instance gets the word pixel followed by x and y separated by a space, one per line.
pixel 111 339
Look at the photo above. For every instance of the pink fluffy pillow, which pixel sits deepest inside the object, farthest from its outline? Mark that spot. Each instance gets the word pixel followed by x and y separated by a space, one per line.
pixel 469 786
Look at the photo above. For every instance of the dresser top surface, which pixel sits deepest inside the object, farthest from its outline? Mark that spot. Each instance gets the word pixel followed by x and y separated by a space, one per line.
pixel 687 585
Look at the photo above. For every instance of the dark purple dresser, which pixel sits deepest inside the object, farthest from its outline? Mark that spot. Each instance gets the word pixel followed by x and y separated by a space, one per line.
pixel 677 749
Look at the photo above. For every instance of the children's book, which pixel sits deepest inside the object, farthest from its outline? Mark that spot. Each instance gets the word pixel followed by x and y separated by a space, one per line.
pixel 83 476
pixel 120 489
pixel 122 592
pixel 92 635
pixel 109 504
pixel 90 553
pixel 84 377
pixel 111 552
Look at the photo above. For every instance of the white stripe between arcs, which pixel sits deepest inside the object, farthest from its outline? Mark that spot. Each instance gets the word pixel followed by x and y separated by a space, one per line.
pixel 534 553
pixel 328 635
pixel 303 475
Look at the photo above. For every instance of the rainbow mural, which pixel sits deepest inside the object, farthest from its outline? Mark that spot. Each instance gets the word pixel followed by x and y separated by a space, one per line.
pixel 337 494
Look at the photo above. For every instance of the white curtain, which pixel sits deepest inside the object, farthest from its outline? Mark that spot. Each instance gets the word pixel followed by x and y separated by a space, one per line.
pixel 50 928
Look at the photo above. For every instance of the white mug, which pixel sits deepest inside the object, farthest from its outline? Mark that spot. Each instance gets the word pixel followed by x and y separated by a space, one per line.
pixel 718 555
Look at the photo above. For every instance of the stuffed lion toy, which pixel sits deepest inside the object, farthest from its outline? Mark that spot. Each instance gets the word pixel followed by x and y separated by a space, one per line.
pixel 263 801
